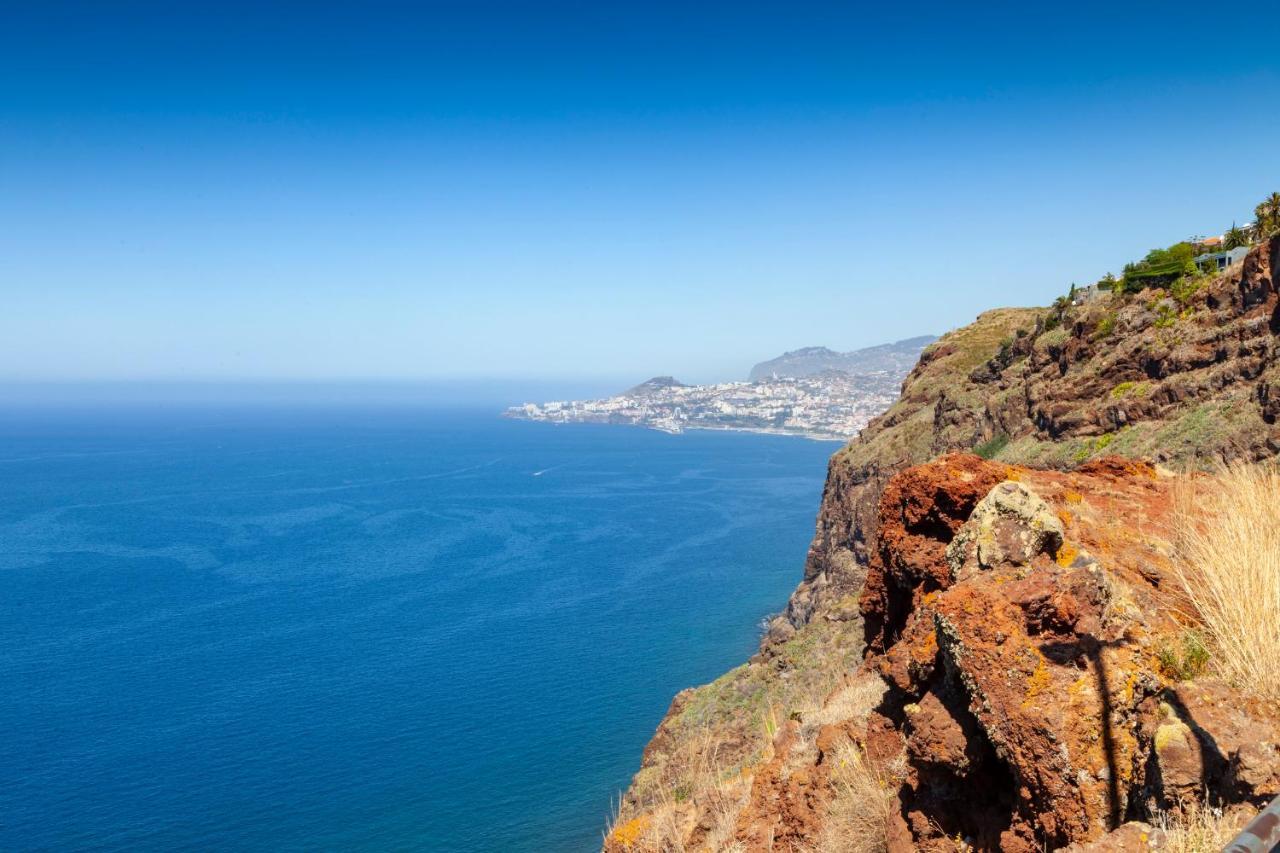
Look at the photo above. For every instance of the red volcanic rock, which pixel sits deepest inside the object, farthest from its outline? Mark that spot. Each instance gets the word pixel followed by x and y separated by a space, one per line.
pixel 920 510
pixel 1043 718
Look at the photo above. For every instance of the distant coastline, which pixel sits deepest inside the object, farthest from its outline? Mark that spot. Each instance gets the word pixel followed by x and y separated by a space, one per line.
pixel 813 393
pixel 831 406
pixel 811 436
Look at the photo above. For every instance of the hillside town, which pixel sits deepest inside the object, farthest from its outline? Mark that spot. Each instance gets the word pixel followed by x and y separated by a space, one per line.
pixel 832 405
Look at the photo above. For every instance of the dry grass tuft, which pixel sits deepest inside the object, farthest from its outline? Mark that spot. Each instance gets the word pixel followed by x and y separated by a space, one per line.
pixel 1198 829
pixel 852 700
pixel 1230 571
pixel 864 801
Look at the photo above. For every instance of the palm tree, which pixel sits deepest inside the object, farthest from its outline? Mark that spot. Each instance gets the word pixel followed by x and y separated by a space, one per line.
pixel 1235 238
pixel 1268 215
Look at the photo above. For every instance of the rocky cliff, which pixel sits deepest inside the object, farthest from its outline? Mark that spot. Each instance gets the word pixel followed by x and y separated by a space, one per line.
pixel 979 653
pixel 1176 378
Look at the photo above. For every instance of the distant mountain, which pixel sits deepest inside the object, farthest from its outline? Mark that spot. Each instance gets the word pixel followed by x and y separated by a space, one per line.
pixel 898 357
pixel 653 386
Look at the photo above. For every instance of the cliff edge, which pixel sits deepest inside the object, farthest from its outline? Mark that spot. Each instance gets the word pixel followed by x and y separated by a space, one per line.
pixel 989 648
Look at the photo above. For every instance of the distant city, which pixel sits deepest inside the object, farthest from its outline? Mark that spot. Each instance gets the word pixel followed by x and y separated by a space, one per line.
pixel 812 400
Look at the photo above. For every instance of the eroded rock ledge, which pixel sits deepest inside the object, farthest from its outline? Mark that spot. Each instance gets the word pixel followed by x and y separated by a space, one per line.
pixel 1012 694
pixel 1026 688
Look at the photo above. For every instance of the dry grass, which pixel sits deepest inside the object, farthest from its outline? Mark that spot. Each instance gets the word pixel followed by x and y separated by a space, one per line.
pixel 708 790
pixel 1118 605
pixel 865 799
pixel 708 794
pixel 1230 571
pixel 852 700
pixel 1198 829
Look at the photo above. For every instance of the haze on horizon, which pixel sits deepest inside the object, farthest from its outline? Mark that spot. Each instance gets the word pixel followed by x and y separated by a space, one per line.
pixel 284 191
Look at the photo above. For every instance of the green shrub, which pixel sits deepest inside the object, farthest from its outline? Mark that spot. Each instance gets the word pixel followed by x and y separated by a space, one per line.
pixel 1184 660
pixel 1186 287
pixel 1160 267
pixel 1135 389
pixel 1052 338
pixel 1105 327
pixel 1057 313
pixel 1090 446
pixel 1006 349
pixel 991 448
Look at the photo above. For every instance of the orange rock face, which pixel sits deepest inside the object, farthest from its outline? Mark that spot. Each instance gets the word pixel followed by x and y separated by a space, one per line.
pixel 1016 618
pixel 920 511
pixel 1027 683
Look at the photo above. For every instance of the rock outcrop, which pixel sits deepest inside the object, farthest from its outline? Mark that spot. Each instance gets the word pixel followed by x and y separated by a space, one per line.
pixel 1026 677
pixel 1175 381
pixel 978 655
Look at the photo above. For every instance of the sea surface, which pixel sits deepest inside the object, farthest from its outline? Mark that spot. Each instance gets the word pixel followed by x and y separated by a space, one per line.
pixel 365 628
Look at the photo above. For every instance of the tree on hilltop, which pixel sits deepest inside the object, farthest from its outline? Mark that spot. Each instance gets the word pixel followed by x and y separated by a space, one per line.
pixel 1235 238
pixel 1268 216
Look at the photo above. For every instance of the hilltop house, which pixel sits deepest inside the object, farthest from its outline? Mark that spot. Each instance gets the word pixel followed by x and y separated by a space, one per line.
pixel 1088 293
pixel 1221 260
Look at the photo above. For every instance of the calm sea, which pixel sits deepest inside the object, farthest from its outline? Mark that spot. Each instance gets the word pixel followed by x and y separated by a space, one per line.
pixel 366 628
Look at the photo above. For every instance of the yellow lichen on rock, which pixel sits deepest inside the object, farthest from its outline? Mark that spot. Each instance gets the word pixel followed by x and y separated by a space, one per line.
pixel 627 834
pixel 1067 554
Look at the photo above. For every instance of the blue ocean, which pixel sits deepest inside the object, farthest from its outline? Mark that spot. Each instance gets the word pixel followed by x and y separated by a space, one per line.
pixel 364 627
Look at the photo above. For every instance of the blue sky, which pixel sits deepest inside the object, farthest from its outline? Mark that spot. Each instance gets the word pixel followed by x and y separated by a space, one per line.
pixel 270 191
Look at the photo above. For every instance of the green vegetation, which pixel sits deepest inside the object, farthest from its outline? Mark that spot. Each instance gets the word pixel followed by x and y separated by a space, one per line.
pixel 1188 286
pixel 1175 265
pixel 1135 389
pixel 1089 446
pixel 1235 238
pixel 745 697
pixel 1057 312
pixel 1268 217
pixel 1184 660
pixel 991 448
pixel 1160 267
pixel 1105 326
pixel 906 431
pixel 1180 439
pixel 1006 349
pixel 1051 339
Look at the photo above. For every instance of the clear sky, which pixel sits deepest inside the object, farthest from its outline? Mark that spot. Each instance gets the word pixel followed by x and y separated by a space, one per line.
pixel 319 190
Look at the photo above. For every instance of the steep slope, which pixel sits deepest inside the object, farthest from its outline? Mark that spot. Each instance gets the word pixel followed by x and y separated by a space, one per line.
pixel 1178 379
pixel 1029 683
pixel 1032 674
